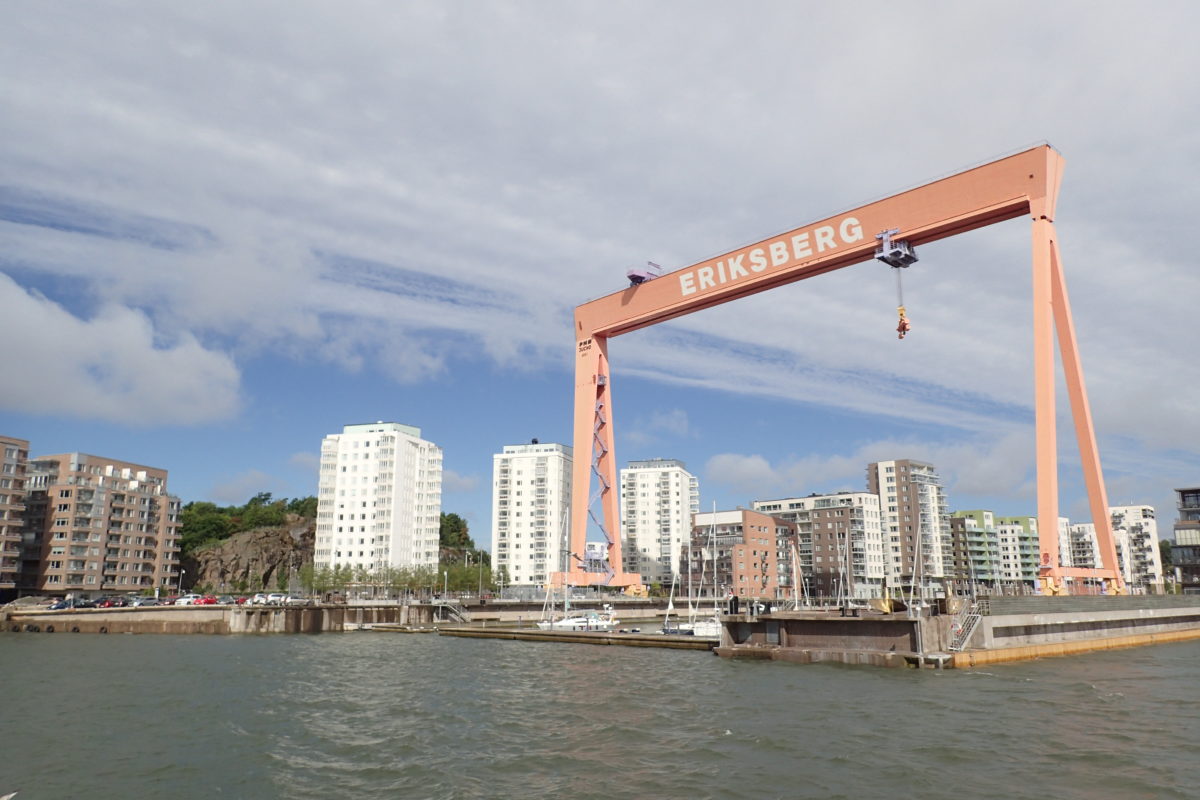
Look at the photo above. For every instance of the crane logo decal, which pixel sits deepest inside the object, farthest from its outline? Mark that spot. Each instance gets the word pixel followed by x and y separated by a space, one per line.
pixel 774 253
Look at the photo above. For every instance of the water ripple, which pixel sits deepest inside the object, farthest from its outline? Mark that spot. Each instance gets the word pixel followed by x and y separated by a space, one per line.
pixel 378 716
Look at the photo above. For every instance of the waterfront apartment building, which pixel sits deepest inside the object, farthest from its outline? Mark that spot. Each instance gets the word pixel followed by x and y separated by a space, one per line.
pixel 734 551
pixel 1020 551
pixel 658 498
pixel 839 544
pixel 1135 537
pixel 379 498
pixel 1084 549
pixel 1185 552
pixel 976 548
pixel 97 525
pixel 531 500
pixel 916 521
pixel 14 455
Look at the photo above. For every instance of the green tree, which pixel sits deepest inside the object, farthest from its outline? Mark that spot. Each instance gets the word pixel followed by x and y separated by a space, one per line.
pixel 303 507
pixel 501 578
pixel 454 534
pixel 307 575
pixel 201 523
pixel 1166 554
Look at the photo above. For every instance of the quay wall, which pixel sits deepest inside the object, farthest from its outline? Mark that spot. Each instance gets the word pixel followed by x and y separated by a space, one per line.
pixel 1009 622
pixel 214 619
pixel 1009 629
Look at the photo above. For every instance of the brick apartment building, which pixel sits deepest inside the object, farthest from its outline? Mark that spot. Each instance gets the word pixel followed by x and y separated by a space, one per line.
pixel 14 453
pixel 95 526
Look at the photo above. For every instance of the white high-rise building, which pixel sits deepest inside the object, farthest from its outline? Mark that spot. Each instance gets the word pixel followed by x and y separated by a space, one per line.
pixel 379 500
pixel 1135 538
pixel 1136 533
pixel 658 498
pixel 916 520
pixel 531 500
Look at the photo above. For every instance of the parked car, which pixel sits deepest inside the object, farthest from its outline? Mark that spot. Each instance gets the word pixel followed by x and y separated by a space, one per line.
pixel 206 600
pixel 112 602
pixel 241 601
pixel 60 605
pixel 187 600
pixel 143 602
pixel 82 602
pixel 276 598
pixel 292 600
pixel 226 600
pixel 259 599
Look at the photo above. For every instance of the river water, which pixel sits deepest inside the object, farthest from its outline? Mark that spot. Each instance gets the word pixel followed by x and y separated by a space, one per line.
pixel 372 715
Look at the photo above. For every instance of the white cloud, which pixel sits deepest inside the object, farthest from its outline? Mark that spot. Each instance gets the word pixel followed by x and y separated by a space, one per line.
pixel 970 468
pixel 237 489
pixel 305 460
pixel 110 367
pixel 453 482
pixel 662 423
pixel 497 169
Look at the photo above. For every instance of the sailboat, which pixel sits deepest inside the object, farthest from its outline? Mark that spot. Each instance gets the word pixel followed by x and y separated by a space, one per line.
pixel 566 621
pixel 583 621
pixel 702 624
pixel 671 626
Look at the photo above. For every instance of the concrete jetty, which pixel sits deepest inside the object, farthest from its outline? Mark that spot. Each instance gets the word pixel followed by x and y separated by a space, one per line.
pixel 986 631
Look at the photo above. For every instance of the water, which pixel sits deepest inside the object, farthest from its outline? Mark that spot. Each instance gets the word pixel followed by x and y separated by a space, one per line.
pixel 366 715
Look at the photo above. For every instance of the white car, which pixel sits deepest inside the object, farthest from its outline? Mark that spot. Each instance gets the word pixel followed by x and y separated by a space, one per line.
pixel 276 598
pixel 188 600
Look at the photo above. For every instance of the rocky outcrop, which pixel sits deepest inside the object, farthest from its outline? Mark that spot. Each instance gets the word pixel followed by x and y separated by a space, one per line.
pixel 253 559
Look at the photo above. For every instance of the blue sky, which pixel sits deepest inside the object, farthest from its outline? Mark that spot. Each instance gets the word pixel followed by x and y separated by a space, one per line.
pixel 228 229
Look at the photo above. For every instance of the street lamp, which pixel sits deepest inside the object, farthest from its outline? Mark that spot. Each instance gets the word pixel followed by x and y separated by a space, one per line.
pixel 182 572
pixel 445 584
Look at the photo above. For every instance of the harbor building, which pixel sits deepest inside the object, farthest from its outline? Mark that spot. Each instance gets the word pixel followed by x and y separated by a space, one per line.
pixel 1136 533
pixel 1020 551
pixel 379 498
pixel 1188 505
pixel 916 521
pixel 1084 548
pixel 531 498
pixel 976 547
pixel 658 498
pixel 14 454
pixel 839 545
pixel 735 551
pixel 1185 552
pixel 97 525
pixel 1135 536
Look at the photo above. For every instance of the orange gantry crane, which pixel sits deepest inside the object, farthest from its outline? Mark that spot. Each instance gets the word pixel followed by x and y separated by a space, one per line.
pixel 1025 183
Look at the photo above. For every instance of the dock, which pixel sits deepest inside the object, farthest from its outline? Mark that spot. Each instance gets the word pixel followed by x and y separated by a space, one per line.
pixel 582 637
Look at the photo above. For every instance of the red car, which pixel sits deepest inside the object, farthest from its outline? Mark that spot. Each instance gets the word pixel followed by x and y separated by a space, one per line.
pixel 206 600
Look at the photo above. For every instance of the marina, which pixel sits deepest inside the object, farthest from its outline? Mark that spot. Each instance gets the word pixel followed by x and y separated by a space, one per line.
pixel 985 631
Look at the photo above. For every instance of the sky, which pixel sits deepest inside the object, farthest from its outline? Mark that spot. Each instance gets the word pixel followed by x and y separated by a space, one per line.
pixel 227 229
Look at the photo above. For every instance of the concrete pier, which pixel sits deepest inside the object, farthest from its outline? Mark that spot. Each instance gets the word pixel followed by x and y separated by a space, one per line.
pixel 1007 629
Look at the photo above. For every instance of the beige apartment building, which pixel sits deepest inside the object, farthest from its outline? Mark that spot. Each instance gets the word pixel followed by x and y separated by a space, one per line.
pixel 97 526
pixel 14 453
pixel 734 552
